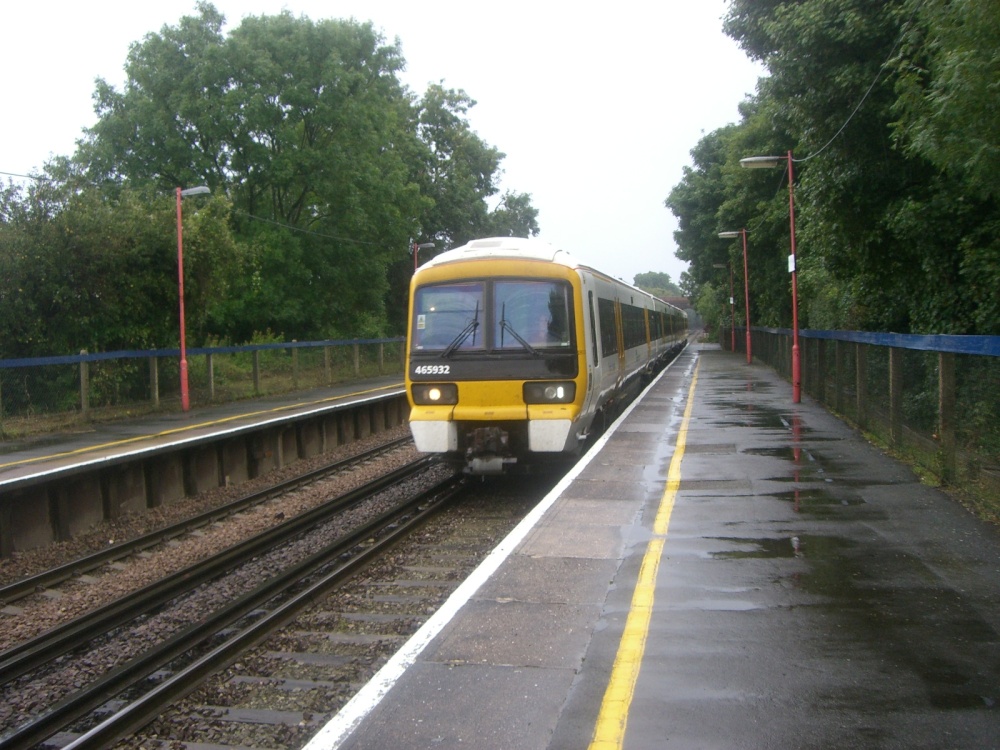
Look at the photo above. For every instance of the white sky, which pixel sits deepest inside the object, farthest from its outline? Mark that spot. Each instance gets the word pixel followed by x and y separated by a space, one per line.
pixel 597 110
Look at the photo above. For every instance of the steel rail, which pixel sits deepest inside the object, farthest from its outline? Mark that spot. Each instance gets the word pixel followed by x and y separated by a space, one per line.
pixel 113 683
pixel 140 712
pixel 32 653
pixel 31 584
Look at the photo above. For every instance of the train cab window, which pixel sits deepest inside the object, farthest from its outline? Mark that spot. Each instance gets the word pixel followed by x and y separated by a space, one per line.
pixel 449 317
pixel 536 313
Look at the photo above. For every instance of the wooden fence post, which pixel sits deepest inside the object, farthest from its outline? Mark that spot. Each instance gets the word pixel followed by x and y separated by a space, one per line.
pixel 861 383
pixel 946 415
pixel 895 396
pixel 154 381
pixel 210 365
pixel 838 374
pixel 84 384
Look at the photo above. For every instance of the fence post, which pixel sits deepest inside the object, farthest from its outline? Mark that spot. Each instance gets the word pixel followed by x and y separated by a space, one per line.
pixel 381 357
pixel 861 383
pixel 357 360
pixel 327 368
pixel 256 372
pixel 84 385
pixel 295 366
pixel 154 381
pixel 946 414
pixel 819 371
pixel 210 365
pixel 895 396
pixel 838 373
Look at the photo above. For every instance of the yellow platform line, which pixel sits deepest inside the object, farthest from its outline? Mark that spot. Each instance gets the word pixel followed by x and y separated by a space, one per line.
pixel 187 428
pixel 609 732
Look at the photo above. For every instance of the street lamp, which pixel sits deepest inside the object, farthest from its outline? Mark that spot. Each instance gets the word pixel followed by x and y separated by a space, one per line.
pixel 746 281
pixel 200 190
pixel 416 250
pixel 769 162
pixel 732 306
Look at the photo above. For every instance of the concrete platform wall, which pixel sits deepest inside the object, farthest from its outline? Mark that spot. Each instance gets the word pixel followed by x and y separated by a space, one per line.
pixel 74 501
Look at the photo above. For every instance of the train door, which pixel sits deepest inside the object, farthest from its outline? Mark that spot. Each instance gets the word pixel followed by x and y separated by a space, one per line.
pixel 592 345
pixel 620 330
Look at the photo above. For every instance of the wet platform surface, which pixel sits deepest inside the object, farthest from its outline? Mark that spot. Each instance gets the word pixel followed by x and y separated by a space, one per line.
pixel 750 575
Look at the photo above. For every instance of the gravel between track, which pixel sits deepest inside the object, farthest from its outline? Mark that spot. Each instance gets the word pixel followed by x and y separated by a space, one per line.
pixel 37 613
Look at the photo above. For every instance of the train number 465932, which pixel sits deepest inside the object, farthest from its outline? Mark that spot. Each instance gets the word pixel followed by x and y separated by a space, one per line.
pixel 432 370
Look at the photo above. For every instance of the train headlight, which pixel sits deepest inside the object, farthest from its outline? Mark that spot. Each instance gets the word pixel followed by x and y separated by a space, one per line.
pixel 550 393
pixel 434 394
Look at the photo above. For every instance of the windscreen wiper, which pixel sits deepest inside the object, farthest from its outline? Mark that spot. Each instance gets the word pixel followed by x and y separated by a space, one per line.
pixel 463 334
pixel 505 326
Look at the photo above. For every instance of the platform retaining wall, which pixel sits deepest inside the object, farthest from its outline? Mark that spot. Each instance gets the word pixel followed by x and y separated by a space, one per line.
pixel 64 504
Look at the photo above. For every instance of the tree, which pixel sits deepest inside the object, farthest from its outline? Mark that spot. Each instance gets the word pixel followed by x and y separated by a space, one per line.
pixel 459 170
pixel 657 283
pixel 306 127
pixel 513 217
pixel 947 89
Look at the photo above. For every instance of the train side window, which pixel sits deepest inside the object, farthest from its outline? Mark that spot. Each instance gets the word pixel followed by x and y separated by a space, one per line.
pixel 593 327
pixel 609 332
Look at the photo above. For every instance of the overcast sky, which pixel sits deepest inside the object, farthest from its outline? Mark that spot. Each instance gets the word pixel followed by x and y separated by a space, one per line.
pixel 597 110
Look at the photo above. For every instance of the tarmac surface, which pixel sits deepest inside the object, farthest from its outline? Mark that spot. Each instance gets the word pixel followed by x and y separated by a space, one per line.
pixel 726 569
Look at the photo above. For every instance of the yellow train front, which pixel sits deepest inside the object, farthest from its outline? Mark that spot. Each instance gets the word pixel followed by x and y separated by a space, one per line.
pixel 515 350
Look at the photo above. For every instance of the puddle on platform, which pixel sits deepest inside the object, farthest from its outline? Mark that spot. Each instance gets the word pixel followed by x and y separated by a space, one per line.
pixel 749 415
pixel 883 601
pixel 818 496
pixel 765 548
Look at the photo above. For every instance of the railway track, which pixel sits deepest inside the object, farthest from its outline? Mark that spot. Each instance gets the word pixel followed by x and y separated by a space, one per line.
pixel 280 693
pixel 73 569
pixel 184 639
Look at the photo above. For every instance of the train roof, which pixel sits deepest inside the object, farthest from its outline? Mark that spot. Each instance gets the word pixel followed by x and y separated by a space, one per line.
pixel 518 248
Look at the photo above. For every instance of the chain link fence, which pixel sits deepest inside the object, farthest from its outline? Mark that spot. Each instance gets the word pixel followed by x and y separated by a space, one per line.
pixel 49 393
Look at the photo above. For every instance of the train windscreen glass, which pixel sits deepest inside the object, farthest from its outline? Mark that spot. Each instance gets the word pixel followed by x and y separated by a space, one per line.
pixel 448 317
pixel 536 313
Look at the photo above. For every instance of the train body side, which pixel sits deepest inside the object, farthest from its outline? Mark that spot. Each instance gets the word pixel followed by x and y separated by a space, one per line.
pixel 515 352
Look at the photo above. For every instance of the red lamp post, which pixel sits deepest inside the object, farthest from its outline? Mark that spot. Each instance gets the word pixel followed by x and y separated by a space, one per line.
pixel 746 282
pixel 766 162
pixel 200 190
pixel 416 251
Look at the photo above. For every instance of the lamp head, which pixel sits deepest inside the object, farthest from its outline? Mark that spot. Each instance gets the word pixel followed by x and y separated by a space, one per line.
pixel 762 162
pixel 728 235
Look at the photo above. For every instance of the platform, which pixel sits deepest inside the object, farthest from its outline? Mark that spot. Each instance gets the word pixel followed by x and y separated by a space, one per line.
pixel 726 569
pixel 103 442
pixel 56 487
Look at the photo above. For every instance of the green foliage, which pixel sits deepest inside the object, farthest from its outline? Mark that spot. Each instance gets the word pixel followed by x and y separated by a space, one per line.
pixel 947 85
pixel 888 110
pixel 658 284
pixel 711 305
pixel 322 167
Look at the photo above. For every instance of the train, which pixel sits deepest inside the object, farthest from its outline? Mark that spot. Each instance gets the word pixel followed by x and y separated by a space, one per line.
pixel 517 354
